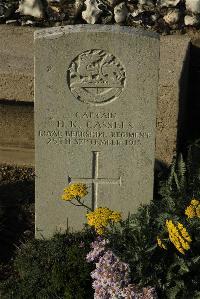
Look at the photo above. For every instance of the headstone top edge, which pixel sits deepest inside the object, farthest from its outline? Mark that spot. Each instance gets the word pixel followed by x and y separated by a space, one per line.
pixel 55 32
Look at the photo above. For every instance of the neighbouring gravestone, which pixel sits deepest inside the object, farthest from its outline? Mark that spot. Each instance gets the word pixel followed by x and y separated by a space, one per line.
pixel 95 117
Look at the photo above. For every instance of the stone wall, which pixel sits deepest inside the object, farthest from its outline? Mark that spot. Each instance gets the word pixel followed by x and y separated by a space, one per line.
pixel 173 95
pixel 16 99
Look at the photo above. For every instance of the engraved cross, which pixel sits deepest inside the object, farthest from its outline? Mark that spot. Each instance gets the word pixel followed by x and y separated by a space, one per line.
pixel 95 180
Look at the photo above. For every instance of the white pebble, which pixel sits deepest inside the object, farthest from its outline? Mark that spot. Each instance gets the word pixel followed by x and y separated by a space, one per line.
pixel 32 8
pixel 193 5
pixel 168 3
pixel 147 2
pixel 92 12
pixel 120 13
pixel 172 17
pixel 191 20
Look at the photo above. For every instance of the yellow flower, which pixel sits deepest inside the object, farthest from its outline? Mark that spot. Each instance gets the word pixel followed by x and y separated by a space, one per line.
pixel 161 244
pixel 198 211
pixel 179 236
pixel 184 232
pixel 74 190
pixel 115 217
pixel 193 210
pixel 195 202
pixel 190 211
pixel 101 218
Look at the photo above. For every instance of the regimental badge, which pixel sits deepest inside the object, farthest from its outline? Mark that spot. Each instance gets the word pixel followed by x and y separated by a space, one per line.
pixel 96 77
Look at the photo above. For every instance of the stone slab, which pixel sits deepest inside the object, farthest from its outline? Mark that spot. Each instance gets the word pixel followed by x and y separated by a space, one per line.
pixel 95 116
pixel 16 69
pixel 172 95
pixel 17 156
pixel 16 133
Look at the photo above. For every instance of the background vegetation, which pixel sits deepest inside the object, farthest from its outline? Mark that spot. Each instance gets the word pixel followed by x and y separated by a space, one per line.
pixel 57 268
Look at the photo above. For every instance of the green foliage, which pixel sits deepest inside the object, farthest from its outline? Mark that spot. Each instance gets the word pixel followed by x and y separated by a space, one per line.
pixel 135 240
pixel 57 268
pixel 53 268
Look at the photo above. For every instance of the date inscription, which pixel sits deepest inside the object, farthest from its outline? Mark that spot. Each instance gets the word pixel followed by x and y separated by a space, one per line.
pixel 96 129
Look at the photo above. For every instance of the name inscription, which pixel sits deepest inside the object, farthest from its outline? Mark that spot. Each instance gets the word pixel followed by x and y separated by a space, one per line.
pixel 98 129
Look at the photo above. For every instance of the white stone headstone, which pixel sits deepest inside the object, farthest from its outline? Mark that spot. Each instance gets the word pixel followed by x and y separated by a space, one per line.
pixel 95 116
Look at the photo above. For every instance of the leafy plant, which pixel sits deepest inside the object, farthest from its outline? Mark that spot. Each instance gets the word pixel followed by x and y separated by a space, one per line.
pixel 54 268
pixel 174 275
pixel 57 268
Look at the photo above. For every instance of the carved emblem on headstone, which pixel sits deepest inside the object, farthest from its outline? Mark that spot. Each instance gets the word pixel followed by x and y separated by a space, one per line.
pixel 96 77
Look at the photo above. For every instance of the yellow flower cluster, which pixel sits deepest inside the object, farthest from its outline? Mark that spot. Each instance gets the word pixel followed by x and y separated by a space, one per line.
pixel 179 236
pixel 100 218
pixel 161 244
pixel 193 210
pixel 74 190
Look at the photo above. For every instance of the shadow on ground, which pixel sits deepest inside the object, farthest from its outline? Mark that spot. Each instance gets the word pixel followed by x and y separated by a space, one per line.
pixel 193 108
pixel 16 208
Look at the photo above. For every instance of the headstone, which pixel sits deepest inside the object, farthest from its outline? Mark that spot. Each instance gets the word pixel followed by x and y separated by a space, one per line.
pixel 95 117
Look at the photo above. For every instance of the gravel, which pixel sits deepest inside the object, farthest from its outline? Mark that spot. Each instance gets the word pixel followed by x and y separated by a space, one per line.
pixel 162 16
